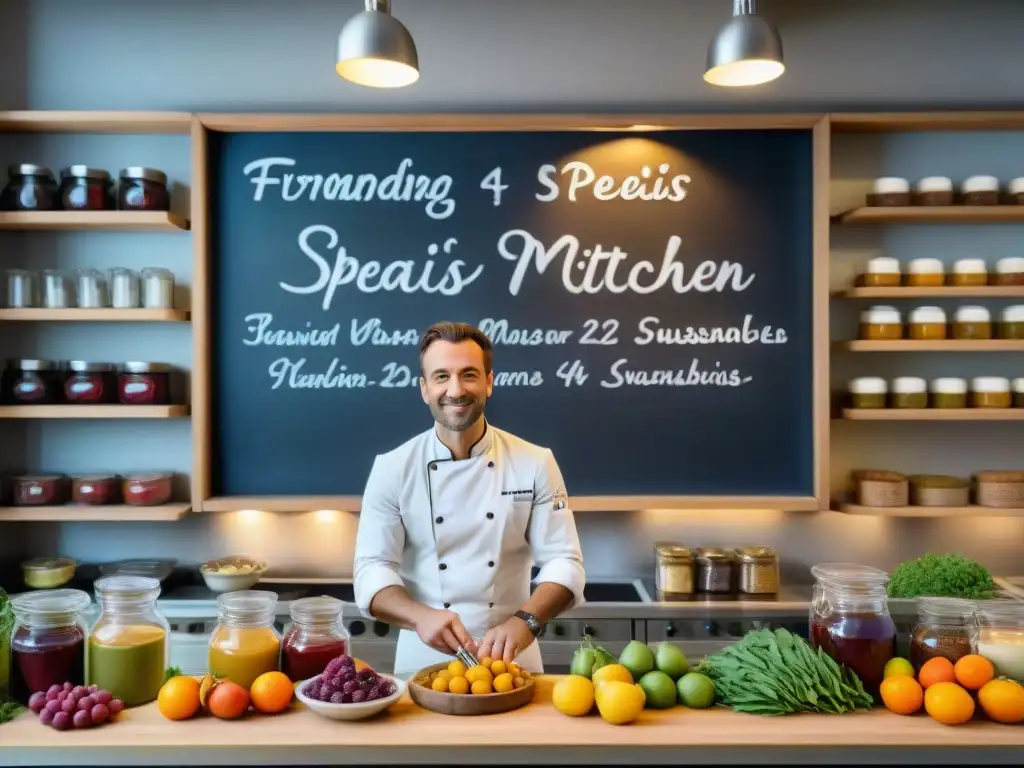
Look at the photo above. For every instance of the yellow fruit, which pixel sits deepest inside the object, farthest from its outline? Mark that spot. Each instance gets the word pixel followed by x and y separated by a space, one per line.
pixel 486 661
pixel 440 685
pixel 518 682
pixel 503 683
pixel 479 672
pixel 179 698
pixel 514 669
pixel 457 669
pixel 573 695
pixel 498 668
pixel 481 687
pixel 612 672
pixel 458 685
pixel 444 674
pixel 619 702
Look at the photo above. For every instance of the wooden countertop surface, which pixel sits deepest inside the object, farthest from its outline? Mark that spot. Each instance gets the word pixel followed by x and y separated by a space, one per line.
pixel 148 737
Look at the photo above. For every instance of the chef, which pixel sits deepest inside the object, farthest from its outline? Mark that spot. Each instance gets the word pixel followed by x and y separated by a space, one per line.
pixel 453 520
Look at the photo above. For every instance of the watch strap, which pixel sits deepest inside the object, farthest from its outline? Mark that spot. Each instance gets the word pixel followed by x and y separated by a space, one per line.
pixel 531 621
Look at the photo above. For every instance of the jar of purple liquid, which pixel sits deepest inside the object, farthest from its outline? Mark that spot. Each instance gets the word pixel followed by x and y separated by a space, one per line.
pixel 48 642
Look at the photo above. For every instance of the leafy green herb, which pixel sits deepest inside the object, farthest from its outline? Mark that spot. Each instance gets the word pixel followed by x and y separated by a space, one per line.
pixel 778 673
pixel 9 710
pixel 942 576
pixel 172 672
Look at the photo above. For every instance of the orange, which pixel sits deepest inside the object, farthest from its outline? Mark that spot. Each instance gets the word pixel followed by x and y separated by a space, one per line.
pixel 271 692
pixel 937 670
pixel 503 683
pixel 458 685
pixel 440 684
pixel 948 703
pixel 228 700
pixel 481 687
pixel 902 694
pixel 1003 701
pixel 973 671
pixel 179 698
pixel 498 668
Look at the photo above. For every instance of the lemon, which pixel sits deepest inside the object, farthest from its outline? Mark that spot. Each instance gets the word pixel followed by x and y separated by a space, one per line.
pixel 611 672
pixel 898 667
pixel 440 685
pixel 573 695
pixel 479 672
pixel 481 687
pixel 457 669
pixel 498 667
pixel 619 702
pixel 486 662
pixel 458 685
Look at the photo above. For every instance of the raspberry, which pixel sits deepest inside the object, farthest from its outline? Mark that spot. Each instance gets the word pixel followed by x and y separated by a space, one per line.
pixel 358 697
pixel 338 698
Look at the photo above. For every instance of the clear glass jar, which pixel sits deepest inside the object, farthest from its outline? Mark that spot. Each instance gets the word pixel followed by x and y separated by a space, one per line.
pixel 969 272
pixel 157 288
pixel 245 643
pixel 129 647
pixel 30 188
pixel 48 641
pixel 673 577
pixel 92 289
pixel 85 189
pixel 942 629
pixel 124 288
pixel 22 289
pixel 850 621
pixel 991 392
pixel 90 383
pixel 316 636
pixel 997 633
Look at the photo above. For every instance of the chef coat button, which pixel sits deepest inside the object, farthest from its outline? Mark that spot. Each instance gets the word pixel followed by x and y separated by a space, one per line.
pixel 490 515
pixel 490 464
pixel 447 605
pixel 490 605
pixel 433 465
pixel 490 563
pixel 442 566
pixel 438 520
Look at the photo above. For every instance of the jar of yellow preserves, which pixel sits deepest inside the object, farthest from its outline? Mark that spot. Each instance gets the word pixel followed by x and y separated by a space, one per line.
pixel 927 324
pixel 948 393
pixel 909 392
pixel 972 323
pixel 925 273
pixel 969 272
pixel 882 272
pixel 1011 322
pixel 245 643
pixel 881 324
pixel 990 392
pixel 868 392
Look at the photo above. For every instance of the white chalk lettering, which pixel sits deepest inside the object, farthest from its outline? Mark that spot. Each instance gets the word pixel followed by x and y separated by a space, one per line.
pixel 498 332
pixel 693 377
pixel 258 326
pixel 518 378
pixel 605 187
pixel 288 373
pixel 652 332
pixel 372 332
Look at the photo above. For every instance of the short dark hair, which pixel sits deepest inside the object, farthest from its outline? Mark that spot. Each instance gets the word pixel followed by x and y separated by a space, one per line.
pixel 454 333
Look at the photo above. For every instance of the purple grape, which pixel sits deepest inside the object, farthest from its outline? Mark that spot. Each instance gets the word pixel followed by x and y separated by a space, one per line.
pixel 79 691
pixel 115 706
pixel 67 687
pixel 52 691
pixel 94 689
pixel 61 721
pixel 37 701
pixel 52 706
pixel 82 719
pixel 99 714
pixel 69 705
pixel 358 697
pixel 63 695
pixel 87 703
pixel 351 686
pixel 338 698
pixel 46 717
pixel 311 689
pixel 102 697
pixel 325 692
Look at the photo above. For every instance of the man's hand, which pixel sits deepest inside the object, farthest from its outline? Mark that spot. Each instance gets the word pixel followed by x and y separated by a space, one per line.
pixel 444 631
pixel 506 640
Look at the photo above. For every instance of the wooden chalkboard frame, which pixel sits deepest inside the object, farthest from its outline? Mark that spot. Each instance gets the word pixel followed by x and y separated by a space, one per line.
pixel 202 416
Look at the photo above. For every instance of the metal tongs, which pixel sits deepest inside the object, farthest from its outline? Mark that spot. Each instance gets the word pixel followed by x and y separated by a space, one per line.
pixel 466 657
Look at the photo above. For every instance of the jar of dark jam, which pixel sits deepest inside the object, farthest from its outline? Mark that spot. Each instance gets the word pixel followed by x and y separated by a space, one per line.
pixel 32 382
pixel 48 641
pixel 317 635
pixel 850 619
pixel 90 383
pixel 30 188
pixel 85 189
pixel 143 189
pixel 942 629
pixel 144 384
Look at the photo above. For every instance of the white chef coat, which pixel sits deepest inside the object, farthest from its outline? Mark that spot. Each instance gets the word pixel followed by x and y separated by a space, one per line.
pixel 462 534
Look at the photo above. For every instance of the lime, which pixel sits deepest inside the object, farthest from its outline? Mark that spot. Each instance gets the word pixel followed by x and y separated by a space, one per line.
pixel 696 690
pixel 897 666
pixel 660 690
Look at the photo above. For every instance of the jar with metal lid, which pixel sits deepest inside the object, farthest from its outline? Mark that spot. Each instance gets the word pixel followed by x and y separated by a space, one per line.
pixel 245 643
pixel 32 382
pixel 969 272
pixel 980 190
pixel 48 640
pixel 758 571
pixel 714 570
pixel 90 383
pixel 92 289
pixel 674 573
pixel 85 189
pixel 948 392
pixel 316 636
pixel 927 323
pixel 925 273
pixel 934 190
pixel 95 490
pixel 909 392
pixel 39 490
pixel 1011 322
pixel 143 189
pixel 129 646
pixel 881 324
pixel 1009 271
pixel 881 272
pixel 30 188
pixel 990 392
pixel 868 392
pixel 157 288
pixel 941 630
pixel 1018 392
pixel 140 383
pixel 972 323
pixel 22 289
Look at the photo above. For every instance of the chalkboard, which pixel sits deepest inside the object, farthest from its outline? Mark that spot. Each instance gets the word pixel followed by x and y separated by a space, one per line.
pixel 649 296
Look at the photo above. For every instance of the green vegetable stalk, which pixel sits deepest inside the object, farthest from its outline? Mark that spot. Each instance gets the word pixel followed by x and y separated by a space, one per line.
pixel 589 658
pixel 778 673
pixel 6 628
pixel 942 576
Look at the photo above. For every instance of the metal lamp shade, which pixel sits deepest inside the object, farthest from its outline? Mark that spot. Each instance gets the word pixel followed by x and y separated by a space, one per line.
pixel 747 50
pixel 375 49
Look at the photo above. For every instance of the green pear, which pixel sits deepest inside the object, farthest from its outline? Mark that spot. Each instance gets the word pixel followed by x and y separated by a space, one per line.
pixel 637 658
pixel 583 662
pixel 670 660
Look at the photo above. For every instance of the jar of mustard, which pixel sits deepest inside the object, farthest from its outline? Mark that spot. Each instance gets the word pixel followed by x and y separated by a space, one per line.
pixel 972 323
pixel 990 392
pixel 969 272
pixel 948 393
pixel 925 273
pixel 890 191
pixel 868 392
pixel 980 190
pixel 934 190
pixel 882 272
pixel 1009 271
pixel 909 392
pixel 881 324
pixel 927 323
pixel 1017 385
pixel 1011 322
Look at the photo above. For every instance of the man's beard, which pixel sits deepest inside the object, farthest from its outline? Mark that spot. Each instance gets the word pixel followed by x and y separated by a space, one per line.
pixel 458 422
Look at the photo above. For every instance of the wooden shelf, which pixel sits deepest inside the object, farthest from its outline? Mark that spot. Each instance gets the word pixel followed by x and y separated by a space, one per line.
pixel 934 414
pixel 950 214
pixel 96 315
pixel 93 411
pixel 70 513
pixel 948 291
pixel 61 121
pixel 972 511
pixel 128 221
pixel 944 345
pixel 959 120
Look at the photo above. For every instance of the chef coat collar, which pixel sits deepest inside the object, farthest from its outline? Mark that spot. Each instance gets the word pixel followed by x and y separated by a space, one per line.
pixel 443 453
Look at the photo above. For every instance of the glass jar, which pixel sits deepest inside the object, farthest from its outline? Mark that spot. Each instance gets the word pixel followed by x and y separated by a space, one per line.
pixel 714 570
pixel 32 382
pixel 316 636
pixel 758 571
pixel 1011 322
pixel 942 629
pixel 157 288
pixel 673 575
pixel 1018 392
pixel 969 273
pixel 143 189
pixel 48 641
pixel 927 323
pixel 972 323
pixel 85 189
pixel 148 490
pixel 90 383
pixel 94 490
pixel 850 619
pixel 245 643
pixel 129 647
pixel 57 290
pixel 881 324
pixel 925 273
pixel 1015 190
pixel 868 392
pixel 39 490
pixel 980 190
pixel 22 290
pixel 30 188
pixel 949 392
pixel 990 392
pixel 997 633
pixel 92 289
pixel 909 392
pixel 124 288
pixel 890 191
pixel 140 383
pixel 882 272
pixel 1009 271
pixel 934 190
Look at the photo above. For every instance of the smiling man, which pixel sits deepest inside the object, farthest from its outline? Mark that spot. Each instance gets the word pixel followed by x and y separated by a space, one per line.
pixel 453 520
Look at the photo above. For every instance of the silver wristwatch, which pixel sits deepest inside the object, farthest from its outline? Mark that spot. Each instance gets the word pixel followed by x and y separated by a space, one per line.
pixel 531 622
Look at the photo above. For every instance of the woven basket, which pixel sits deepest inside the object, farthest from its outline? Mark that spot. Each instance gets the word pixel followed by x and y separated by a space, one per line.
pixel 881 488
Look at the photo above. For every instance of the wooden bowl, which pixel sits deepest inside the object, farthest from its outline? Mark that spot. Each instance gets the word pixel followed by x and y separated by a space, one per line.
pixel 467 703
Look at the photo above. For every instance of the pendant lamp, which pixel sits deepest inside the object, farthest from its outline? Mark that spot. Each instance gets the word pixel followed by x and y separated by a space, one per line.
pixel 746 50
pixel 375 49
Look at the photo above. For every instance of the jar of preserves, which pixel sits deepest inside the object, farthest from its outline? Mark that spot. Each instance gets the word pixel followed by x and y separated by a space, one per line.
pixel 1011 322
pixel 758 571
pixel 95 490
pixel 925 273
pixel 997 633
pixel 909 392
pixel 942 629
pixel 316 636
pixel 949 393
pixel 882 272
pixel 980 190
pixel 673 576
pixel 85 189
pixel 143 189
pixel 990 392
pixel 129 647
pixel 148 490
pixel 48 641
pixel 39 490
pixel 22 289
pixel 934 190
pixel 972 323
pixel 245 643
pixel 1009 271
pixel 890 191
pixel 881 324
pixel 1018 392
pixel 32 382
pixel 927 323
pixel 868 392
pixel 1015 190
pixel 90 383
pixel 850 621
pixel 969 273
pixel 714 570
pixel 140 383
pixel 30 188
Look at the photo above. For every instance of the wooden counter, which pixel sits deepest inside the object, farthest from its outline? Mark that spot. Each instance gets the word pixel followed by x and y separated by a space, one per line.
pixel 537 734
